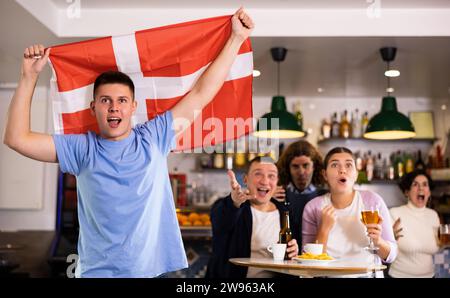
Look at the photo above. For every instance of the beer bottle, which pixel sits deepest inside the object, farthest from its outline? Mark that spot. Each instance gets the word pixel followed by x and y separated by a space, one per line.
pixel 285 232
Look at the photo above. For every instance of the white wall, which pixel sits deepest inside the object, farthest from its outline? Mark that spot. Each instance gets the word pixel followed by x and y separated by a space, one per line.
pixel 28 188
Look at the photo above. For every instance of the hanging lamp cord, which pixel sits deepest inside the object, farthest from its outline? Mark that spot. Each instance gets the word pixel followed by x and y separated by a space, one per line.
pixel 278 78
pixel 388 82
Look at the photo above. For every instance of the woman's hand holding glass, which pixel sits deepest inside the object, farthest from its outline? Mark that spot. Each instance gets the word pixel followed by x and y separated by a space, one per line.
pixel 370 216
pixel 374 231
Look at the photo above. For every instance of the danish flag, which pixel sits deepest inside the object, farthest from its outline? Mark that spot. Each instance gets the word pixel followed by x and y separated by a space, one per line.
pixel 164 64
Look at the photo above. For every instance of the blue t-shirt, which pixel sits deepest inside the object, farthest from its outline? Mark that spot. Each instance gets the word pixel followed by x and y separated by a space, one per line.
pixel 126 211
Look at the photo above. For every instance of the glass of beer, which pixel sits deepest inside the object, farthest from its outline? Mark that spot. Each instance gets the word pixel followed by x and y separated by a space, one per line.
pixel 370 215
pixel 444 234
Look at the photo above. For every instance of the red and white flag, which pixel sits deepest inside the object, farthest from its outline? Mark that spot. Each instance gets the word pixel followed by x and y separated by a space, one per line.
pixel 164 63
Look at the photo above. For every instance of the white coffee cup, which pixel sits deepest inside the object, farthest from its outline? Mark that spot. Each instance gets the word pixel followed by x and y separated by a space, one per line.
pixel 278 250
pixel 313 248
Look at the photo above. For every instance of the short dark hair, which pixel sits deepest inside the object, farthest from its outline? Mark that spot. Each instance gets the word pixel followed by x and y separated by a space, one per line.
pixel 334 151
pixel 114 77
pixel 408 179
pixel 297 149
pixel 265 159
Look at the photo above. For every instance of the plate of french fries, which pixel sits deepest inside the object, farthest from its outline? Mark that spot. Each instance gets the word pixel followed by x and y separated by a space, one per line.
pixel 307 258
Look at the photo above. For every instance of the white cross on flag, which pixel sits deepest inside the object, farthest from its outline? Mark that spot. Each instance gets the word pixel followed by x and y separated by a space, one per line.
pixel 164 63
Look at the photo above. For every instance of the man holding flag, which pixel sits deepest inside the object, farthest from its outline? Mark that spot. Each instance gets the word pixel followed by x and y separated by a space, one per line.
pixel 128 226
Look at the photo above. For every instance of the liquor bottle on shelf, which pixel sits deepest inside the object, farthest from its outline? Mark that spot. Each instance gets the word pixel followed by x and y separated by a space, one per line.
pixel 326 129
pixel 362 175
pixel 219 158
pixel 364 162
pixel 205 161
pixel 391 172
pixel 378 168
pixel 229 161
pixel 298 113
pixel 364 122
pixel 356 125
pixel 439 157
pixel 399 165
pixel 239 160
pixel 391 167
pixel 419 165
pixel 251 156
pixel 386 170
pixel 359 162
pixel 369 166
pixel 345 128
pixel 335 126
pixel 409 164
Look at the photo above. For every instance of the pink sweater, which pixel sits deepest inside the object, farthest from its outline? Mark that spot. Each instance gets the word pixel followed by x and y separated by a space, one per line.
pixel 312 218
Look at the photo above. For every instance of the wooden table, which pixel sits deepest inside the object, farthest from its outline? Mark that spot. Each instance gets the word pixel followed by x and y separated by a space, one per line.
pixel 292 267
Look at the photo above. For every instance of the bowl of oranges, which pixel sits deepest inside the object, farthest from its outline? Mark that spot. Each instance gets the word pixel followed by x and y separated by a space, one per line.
pixel 193 219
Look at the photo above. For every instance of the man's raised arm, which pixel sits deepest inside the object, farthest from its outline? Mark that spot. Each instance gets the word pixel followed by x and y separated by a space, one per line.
pixel 18 135
pixel 212 79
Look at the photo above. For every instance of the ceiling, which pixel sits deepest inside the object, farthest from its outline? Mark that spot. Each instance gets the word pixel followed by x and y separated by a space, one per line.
pixel 342 66
pixel 13 42
pixel 352 66
pixel 305 4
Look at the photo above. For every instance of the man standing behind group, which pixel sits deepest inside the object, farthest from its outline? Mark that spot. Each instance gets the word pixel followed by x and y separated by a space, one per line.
pixel 299 168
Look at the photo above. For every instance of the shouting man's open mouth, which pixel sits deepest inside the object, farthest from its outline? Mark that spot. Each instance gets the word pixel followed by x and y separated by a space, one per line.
pixel 114 122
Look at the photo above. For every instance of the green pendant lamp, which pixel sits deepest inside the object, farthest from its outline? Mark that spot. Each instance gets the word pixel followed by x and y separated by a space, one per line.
pixel 279 123
pixel 389 123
